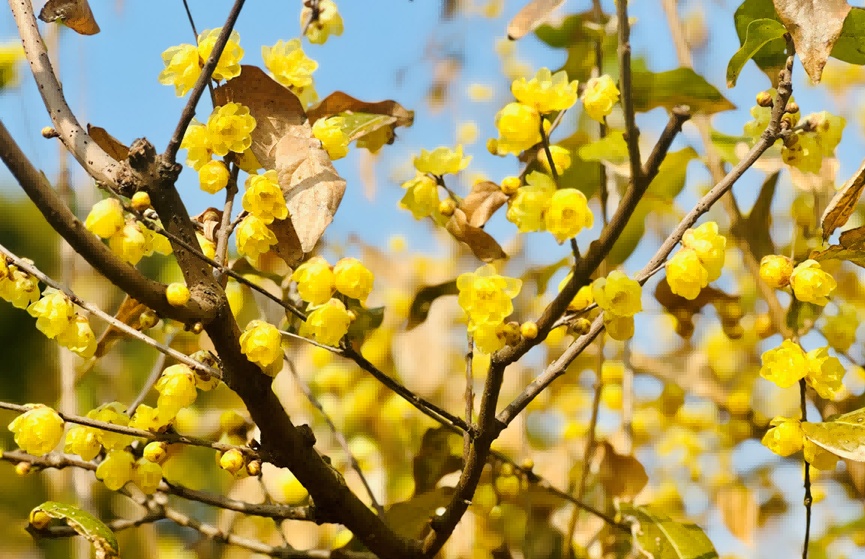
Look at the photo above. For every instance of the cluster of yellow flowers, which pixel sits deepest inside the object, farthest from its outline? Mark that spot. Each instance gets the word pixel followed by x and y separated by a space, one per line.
pixel 127 238
pixel 699 262
pixel 809 282
pixel 487 299
pixel 788 363
pixel 183 63
pixel 539 206
pixel 328 23
pixel 786 438
pixel 290 66
pixel 54 312
pixel 421 197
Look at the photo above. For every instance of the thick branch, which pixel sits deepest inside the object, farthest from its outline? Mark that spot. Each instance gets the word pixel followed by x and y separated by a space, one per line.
pixel 58 215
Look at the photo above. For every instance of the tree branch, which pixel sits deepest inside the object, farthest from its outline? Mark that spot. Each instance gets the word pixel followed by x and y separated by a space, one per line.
pixel 188 113
pixel 632 133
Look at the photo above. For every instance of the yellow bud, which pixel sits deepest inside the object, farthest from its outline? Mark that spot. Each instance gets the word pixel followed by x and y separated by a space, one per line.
pixel 49 133
pixel 529 330
pixel 510 185
pixel 447 207
pixel 156 451
pixel 581 326
pixel 22 468
pixel 232 461
pixel 254 468
pixel 765 99
pixel 177 294
pixel 141 201
pixel 148 319
pixel 39 519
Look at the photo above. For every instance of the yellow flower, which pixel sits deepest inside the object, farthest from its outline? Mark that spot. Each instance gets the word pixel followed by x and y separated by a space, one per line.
pixel 567 214
pixel 619 328
pixel 263 198
pixel 208 247
pixel 197 145
pixel 116 469
pixel 327 323
pixel 253 237
pixel 546 92
pixel 11 54
pixel 803 151
pixel 176 389
pixel 155 242
pixel 775 270
pixel 353 279
pixel 561 159
pixel 486 296
pixel 182 68
pixel 129 243
pixel 78 337
pixel 315 281
pixel 599 97
pixel 146 475
pixel 617 294
pixel 829 128
pixel 19 288
pixel 262 344
pixel 488 336
pixel 53 312
pixel 818 457
pixel 825 373
pixel 38 430
pixel 785 364
pixel 213 176
pixel 229 61
pixel 709 246
pixel 526 208
pixel 840 329
pixel 686 274
pixel 289 64
pixel 421 197
pixel 755 128
pixel 105 218
pixel 177 294
pixel 247 162
pixel 811 284
pixel 329 22
pixel 331 135
pixel 519 128
pixel 82 441
pixel 229 128
pixel 785 437
pixel 441 161
pixel 114 413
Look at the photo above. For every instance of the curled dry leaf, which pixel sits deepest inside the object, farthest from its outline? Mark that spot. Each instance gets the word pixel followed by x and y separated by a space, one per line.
pixel 339 102
pixel 482 202
pixel 283 140
pixel 111 145
pixel 851 248
pixel 75 14
pixel 530 17
pixel 482 244
pixel 622 476
pixel 843 203
pixel 814 26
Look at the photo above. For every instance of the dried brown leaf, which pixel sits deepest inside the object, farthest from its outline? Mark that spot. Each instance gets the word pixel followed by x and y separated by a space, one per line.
pixel 852 237
pixel 277 111
pixel 815 25
pixel 74 14
pixel 339 102
pixel 312 187
pixel 530 17
pixel 482 244
pixel 482 202
pixel 128 313
pixel 685 309
pixel 111 145
pixel 843 203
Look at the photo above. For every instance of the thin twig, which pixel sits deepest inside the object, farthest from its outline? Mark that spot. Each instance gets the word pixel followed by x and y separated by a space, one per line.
pixel 277 511
pixel 223 233
pixel 598 16
pixel 188 113
pixel 469 393
pixel 808 500
pixel 632 133
pixel 123 327
pixel 340 438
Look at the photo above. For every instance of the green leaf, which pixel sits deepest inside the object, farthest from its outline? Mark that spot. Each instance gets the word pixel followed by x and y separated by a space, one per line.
pixel 773 54
pixel 657 536
pixel 366 319
pixel 611 148
pixel 358 125
pixel 419 309
pixel 759 32
pixel 438 456
pixel 755 227
pixel 843 435
pixel 410 518
pixel 682 86
pixel 850 46
pixel 94 530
